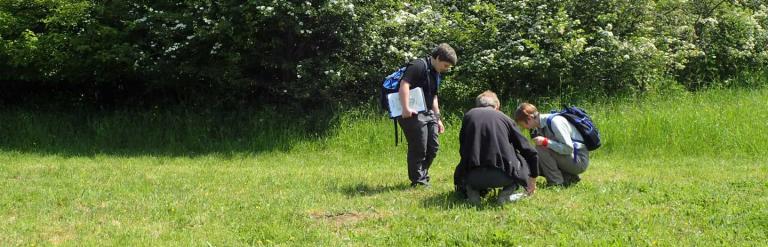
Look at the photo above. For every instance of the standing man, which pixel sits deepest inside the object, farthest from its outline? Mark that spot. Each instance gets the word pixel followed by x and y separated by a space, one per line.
pixel 422 128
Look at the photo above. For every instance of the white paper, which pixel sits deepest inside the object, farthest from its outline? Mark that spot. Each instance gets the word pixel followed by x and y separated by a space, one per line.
pixel 415 102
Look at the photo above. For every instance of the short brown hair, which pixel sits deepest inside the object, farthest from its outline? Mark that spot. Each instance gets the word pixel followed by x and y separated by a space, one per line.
pixel 525 111
pixel 445 52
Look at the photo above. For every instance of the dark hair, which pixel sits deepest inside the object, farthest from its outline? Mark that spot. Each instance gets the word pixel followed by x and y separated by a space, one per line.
pixel 445 52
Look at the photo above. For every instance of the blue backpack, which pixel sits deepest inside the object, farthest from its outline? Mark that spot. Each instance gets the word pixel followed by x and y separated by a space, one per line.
pixel 579 118
pixel 391 84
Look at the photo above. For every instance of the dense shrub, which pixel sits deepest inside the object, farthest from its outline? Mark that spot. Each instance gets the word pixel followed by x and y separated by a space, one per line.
pixel 309 53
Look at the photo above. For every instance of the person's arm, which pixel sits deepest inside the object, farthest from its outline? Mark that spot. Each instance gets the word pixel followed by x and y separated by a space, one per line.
pixel 562 130
pixel 436 109
pixel 405 93
pixel 529 153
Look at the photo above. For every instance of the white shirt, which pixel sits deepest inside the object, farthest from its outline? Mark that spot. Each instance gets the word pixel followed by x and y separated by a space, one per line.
pixel 557 134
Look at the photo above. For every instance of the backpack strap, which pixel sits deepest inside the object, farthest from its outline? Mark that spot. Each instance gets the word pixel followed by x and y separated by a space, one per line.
pixel 575 154
pixel 549 121
pixel 394 122
pixel 429 75
pixel 549 125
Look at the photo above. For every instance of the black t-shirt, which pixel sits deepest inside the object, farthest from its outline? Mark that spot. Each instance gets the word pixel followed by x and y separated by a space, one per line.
pixel 416 75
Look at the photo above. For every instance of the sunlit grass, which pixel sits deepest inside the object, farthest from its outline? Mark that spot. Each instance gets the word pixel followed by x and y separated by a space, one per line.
pixel 684 170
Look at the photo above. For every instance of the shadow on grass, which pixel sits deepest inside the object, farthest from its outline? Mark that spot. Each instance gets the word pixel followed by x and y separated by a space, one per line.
pixel 450 200
pixel 446 200
pixel 362 189
pixel 177 132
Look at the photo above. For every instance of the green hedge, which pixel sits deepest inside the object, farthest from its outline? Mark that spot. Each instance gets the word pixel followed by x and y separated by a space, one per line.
pixel 308 53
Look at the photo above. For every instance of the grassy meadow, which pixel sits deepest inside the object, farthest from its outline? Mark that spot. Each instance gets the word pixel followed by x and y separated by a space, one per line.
pixel 681 170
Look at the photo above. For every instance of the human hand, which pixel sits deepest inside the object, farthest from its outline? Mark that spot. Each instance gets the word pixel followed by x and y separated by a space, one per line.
pixel 541 141
pixel 407 113
pixel 440 127
pixel 530 188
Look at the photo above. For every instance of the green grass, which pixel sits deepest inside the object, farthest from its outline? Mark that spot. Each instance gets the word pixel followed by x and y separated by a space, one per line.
pixel 674 171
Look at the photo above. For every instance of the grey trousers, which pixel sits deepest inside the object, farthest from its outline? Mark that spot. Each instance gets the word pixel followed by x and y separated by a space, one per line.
pixel 559 168
pixel 421 132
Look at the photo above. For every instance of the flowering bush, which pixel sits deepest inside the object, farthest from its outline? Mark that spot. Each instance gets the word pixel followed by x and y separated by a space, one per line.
pixel 316 52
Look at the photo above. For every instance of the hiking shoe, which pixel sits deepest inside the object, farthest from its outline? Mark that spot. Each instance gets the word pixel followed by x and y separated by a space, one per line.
pixel 473 196
pixel 508 195
pixel 515 197
pixel 420 184
pixel 572 180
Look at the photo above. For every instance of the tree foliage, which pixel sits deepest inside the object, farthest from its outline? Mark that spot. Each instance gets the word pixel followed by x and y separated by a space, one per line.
pixel 306 53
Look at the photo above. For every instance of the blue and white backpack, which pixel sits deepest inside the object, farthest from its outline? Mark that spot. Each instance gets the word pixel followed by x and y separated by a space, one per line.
pixel 579 118
pixel 391 84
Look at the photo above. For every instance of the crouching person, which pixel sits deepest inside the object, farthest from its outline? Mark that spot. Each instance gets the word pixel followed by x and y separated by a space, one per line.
pixel 562 156
pixel 494 153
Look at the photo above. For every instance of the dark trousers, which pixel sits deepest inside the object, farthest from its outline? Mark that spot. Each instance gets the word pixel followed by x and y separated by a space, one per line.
pixel 421 132
pixel 482 178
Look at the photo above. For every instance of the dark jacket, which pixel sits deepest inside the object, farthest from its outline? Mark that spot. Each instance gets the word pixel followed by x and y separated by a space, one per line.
pixel 490 138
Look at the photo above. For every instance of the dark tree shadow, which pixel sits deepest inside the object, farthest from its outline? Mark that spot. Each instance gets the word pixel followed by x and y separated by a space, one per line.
pixel 362 189
pixel 170 132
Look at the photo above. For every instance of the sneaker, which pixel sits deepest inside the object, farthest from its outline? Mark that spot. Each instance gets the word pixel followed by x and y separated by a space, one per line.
pixel 473 196
pixel 505 193
pixel 511 198
pixel 572 180
pixel 421 184
pixel 508 195
pixel 460 192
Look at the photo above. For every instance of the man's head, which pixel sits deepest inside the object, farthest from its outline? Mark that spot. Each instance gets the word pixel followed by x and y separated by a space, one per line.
pixel 526 114
pixel 488 99
pixel 443 58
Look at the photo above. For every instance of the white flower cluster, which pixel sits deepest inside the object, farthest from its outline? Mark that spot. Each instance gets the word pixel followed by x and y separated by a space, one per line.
pixel 266 10
pixel 426 15
pixel 332 72
pixel 343 3
pixel 179 26
pixel 402 54
pixel 488 56
pixel 605 33
pixel 172 48
pixel 709 21
pixel 215 48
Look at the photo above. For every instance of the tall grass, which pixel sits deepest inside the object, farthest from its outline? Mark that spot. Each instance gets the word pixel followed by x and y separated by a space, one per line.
pixel 156 132
pixel 717 123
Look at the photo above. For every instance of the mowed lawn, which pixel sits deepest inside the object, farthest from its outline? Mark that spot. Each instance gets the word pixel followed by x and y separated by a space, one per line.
pixel 675 171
